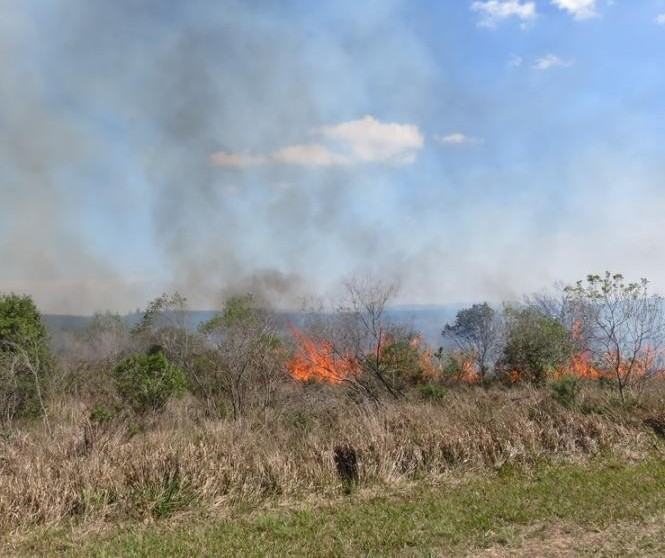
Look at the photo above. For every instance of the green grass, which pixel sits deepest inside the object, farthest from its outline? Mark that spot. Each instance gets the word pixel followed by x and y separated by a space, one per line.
pixel 605 499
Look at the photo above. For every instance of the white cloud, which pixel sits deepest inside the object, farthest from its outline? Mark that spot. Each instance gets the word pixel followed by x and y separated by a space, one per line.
pixel 580 9
pixel 224 159
pixel 457 138
pixel 492 11
pixel 550 61
pixel 311 154
pixel 366 140
pixel 660 19
pixel 370 140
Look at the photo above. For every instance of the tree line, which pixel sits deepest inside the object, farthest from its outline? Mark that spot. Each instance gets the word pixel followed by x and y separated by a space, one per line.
pixel 242 358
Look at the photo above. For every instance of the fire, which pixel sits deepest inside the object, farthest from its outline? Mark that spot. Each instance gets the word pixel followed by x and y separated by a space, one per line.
pixel 466 367
pixel 470 373
pixel 318 361
pixel 582 367
pixel 428 369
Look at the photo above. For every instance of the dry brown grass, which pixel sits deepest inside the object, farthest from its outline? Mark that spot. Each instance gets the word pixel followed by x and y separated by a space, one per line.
pixel 565 540
pixel 181 460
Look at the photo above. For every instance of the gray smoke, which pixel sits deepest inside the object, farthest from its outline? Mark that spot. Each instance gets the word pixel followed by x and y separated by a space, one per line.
pixel 177 82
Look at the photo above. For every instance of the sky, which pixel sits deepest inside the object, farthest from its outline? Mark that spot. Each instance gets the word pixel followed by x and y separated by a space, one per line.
pixel 467 150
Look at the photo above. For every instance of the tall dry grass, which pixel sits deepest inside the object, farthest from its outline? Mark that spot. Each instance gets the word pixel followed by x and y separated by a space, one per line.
pixel 181 460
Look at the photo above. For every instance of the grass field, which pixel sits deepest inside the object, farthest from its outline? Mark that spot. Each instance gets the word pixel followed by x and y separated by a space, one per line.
pixel 603 507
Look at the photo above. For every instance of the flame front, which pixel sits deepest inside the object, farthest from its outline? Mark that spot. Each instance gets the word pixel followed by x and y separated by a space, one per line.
pixel 582 367
pixel 318 361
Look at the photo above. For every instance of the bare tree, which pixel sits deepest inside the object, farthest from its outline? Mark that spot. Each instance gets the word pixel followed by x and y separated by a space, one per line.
pixel 357 345
pixel 623 323
pixel 368 333
pixel 17 361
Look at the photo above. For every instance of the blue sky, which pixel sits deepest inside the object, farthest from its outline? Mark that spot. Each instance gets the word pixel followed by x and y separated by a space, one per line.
pixel 470 150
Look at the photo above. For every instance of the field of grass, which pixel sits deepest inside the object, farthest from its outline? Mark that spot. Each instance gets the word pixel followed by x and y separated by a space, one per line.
pixel 601 508
pixel 495 472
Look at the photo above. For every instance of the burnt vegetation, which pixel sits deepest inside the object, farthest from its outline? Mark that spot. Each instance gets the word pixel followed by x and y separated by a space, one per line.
pixel 153 418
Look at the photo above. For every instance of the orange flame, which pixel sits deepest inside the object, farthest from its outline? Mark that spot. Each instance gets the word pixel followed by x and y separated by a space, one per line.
pixel 428 369
pixel 470 373
pixel 317 361
pixel 581 367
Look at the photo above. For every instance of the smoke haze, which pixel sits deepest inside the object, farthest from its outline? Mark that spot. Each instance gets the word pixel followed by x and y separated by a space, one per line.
pixel 229 147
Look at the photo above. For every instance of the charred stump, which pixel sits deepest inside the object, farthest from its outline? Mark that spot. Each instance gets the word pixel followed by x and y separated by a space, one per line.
pixel 657 424
pixel 346 461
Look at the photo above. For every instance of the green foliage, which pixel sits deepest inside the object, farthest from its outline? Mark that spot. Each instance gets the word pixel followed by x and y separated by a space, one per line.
pixel 433 392
pixel 24 357
pixel 566 391
pixel 146 382
pixel 101 414
pixel 536 344
pixel 165 311
pixel 21 324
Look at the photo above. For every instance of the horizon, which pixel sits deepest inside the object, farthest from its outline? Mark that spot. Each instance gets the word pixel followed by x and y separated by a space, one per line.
pixel 474 150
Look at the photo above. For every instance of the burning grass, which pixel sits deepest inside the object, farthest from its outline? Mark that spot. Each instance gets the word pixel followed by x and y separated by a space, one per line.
pixel 319 361
pixel 181 461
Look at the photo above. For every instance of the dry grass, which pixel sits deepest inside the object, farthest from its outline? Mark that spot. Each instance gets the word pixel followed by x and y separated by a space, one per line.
pixel 182 461
pixel 566 540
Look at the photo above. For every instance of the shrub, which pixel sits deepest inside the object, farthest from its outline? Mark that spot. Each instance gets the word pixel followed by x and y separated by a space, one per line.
pixel 566 391
pixel 433 392
pixel 100 414
pixel 536 344
pixel 146 382
pixel 24 357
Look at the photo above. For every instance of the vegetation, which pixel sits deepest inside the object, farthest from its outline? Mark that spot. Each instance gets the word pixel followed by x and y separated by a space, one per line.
pixel 621 324
pixel 604 508
pixel 24 358
pixel 246 358
pixel 478 331
pixel 147 381
pixel 162 420
pixel 536 345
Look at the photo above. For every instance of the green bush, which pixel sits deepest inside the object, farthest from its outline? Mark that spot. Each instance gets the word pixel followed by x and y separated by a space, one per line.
pixel 146 382
pixel 100 414
pixel 24 357
pixel 566 391
pixel 537 344
pixel 433 392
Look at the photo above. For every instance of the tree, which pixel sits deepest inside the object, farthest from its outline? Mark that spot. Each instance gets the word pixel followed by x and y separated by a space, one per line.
pixel 164 323
pixel 478 331
pixel 247 357
pixel 24 358
pixel 622 324
pixel 537 344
